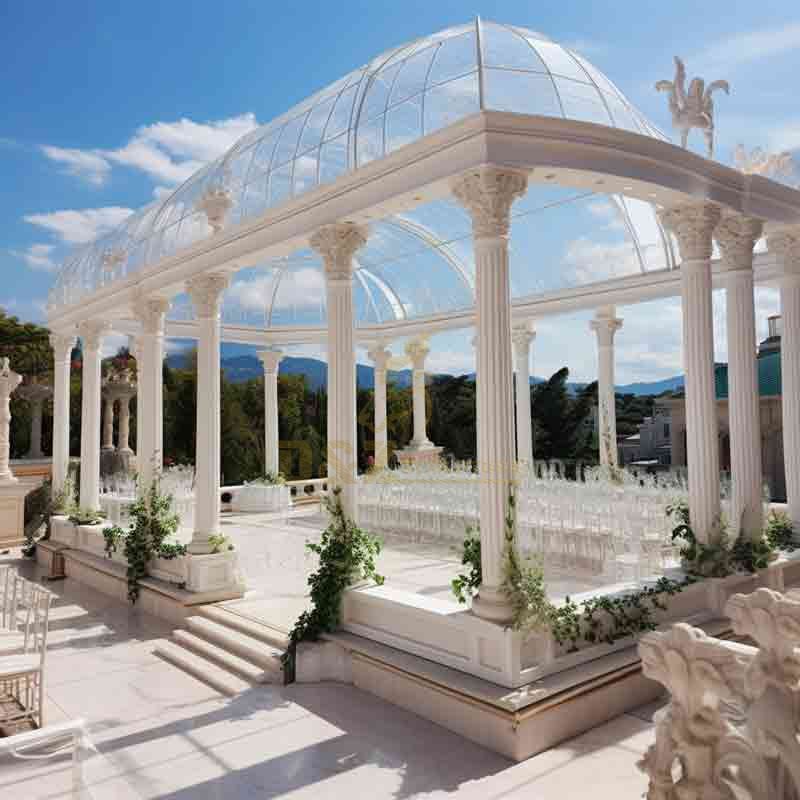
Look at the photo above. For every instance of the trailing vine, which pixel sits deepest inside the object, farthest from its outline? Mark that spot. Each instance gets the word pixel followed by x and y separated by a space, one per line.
pixel 152 522
pixel 347 555
pixel 466 584
pixel 112 537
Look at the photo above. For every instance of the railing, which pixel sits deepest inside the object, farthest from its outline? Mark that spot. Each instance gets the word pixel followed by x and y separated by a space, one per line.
pixel 731 727
pixel 310 489
pixel 30 746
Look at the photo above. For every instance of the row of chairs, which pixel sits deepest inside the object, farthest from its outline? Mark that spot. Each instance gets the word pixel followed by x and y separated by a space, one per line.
pixel 24 624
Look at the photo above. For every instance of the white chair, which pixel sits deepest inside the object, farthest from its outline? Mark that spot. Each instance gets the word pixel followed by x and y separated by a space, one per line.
pixel 22 676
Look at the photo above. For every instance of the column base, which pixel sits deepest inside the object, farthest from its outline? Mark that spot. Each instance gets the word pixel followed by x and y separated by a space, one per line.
pixel 199 547
pixel 492 605
pixel 419 453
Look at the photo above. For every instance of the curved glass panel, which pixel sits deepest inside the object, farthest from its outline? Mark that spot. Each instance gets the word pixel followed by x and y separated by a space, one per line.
pixel 420 262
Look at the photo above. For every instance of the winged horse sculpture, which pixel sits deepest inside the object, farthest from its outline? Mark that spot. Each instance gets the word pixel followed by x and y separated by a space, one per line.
pixel 692 109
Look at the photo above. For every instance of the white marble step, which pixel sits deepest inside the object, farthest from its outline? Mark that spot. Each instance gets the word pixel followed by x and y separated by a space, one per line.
pixel 266 634
pixel 204 670
pixel 240 644
pixel 223 658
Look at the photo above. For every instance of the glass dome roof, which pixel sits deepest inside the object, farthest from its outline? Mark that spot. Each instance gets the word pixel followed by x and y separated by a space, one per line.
pixel 420 262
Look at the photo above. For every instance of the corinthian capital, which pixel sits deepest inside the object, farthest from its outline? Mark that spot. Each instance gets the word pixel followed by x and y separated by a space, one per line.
pixel 736 236
pixel 380 356
pixel 521 338
pixel 337 244
pixel 270 359
pixel 92 332
pixel 62 345
pixel 605 325
pixel 693 224
pixel 488 194
pixel 150 312
pixel 784 242
pixel 417 351
pixel 205 292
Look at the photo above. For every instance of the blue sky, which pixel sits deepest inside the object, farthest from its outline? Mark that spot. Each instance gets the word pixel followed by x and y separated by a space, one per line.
pixel 107 105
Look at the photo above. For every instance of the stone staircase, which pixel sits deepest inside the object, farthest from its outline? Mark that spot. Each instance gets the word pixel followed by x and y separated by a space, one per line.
pixel 226 651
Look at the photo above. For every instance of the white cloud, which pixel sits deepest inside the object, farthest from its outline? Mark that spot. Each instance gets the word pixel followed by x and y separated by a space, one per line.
pixel 725 55
pixel 87 164
pixel 587 47
pixel 38 257
pixel 113 342
pixel 78 227
pixel 168 152
pixel 299 288
pixel 586 261
pixel 27 310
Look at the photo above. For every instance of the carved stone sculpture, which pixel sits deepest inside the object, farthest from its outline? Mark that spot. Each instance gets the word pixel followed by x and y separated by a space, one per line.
pixel 693 108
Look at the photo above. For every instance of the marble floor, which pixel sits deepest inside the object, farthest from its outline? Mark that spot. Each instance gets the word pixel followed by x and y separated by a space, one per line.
pixel 159 733
pixel 276 564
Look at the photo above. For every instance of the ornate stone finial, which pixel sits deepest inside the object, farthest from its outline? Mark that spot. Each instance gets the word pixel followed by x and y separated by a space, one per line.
pixel 205 292
pixel 692 109
pixel 693 224
pixel 417 350
pixel 215 204
pixel 337 244
pixel 270 359
pixel 150 312
pixel 760 162
pixel 92 333
pixel 736 236
pixel 488 194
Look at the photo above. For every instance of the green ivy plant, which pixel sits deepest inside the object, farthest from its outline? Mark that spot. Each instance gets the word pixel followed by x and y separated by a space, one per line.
pixel 779 532
pixel 269 478
pixel 86 516
pixel 347 555
pixel 466 584
pixel 112 537
pixel 219 542
pixel 153 522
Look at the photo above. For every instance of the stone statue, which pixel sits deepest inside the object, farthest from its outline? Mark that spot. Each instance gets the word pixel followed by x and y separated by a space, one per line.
pixel 759 162
pixel 692 109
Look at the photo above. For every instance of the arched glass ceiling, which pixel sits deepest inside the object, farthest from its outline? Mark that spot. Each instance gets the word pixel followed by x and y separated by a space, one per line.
pixel 397 98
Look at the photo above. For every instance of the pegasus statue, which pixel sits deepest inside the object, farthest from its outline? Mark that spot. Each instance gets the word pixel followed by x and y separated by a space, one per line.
pixel 692 109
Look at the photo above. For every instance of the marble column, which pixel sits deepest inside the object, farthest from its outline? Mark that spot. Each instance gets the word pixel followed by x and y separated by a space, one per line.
pixel 108 421
pixel 270 359
pixel 123 433
pixel 736 236
pixel 522 336
pixel 35 394
pixel 62 360
pixel 487 193
pixel 605 325
pixel 337 244
pixel 150 386
pixel 785 243
pixel 418 351
pixel 693 223
pixel 380 356
pixel 136 351
pixel 206 292
pixel 91 333
pixel 9 380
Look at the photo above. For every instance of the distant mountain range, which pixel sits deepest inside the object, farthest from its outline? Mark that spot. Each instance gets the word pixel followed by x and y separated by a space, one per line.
pixel 240 368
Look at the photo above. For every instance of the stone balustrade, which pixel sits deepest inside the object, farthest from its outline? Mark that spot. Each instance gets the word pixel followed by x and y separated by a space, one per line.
pixel 731 727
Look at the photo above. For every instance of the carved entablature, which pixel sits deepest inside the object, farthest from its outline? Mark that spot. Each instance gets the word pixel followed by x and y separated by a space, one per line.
pixel 488 194
pixel 206 292
pixel 92 333
pixel 736 236
pixel 693 224
pixel 337 244
pixel 62 345
pixel 150 312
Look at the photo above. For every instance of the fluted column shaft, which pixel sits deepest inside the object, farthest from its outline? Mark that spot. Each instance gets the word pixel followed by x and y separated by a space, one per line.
pixel 380 357
pixel 605 325
pixel 522 336
pixel 206 294
pixel 693 224
pixel 270 359
pixel 418 351
pixel 337 245
pixel 736 237
pixel 786 244
pixel 136 349
pixel 108 422
pixel 150 389
pixel 62 356
pixel 123 434
pixel 91 333
pixel 487 194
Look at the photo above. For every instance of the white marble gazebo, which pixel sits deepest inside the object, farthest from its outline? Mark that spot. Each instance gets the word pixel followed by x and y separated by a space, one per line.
pixel 420 194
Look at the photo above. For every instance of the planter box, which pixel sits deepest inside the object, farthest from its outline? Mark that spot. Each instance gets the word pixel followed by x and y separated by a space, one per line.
pixel 213 572
pixel 63 531
pixel 259 498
